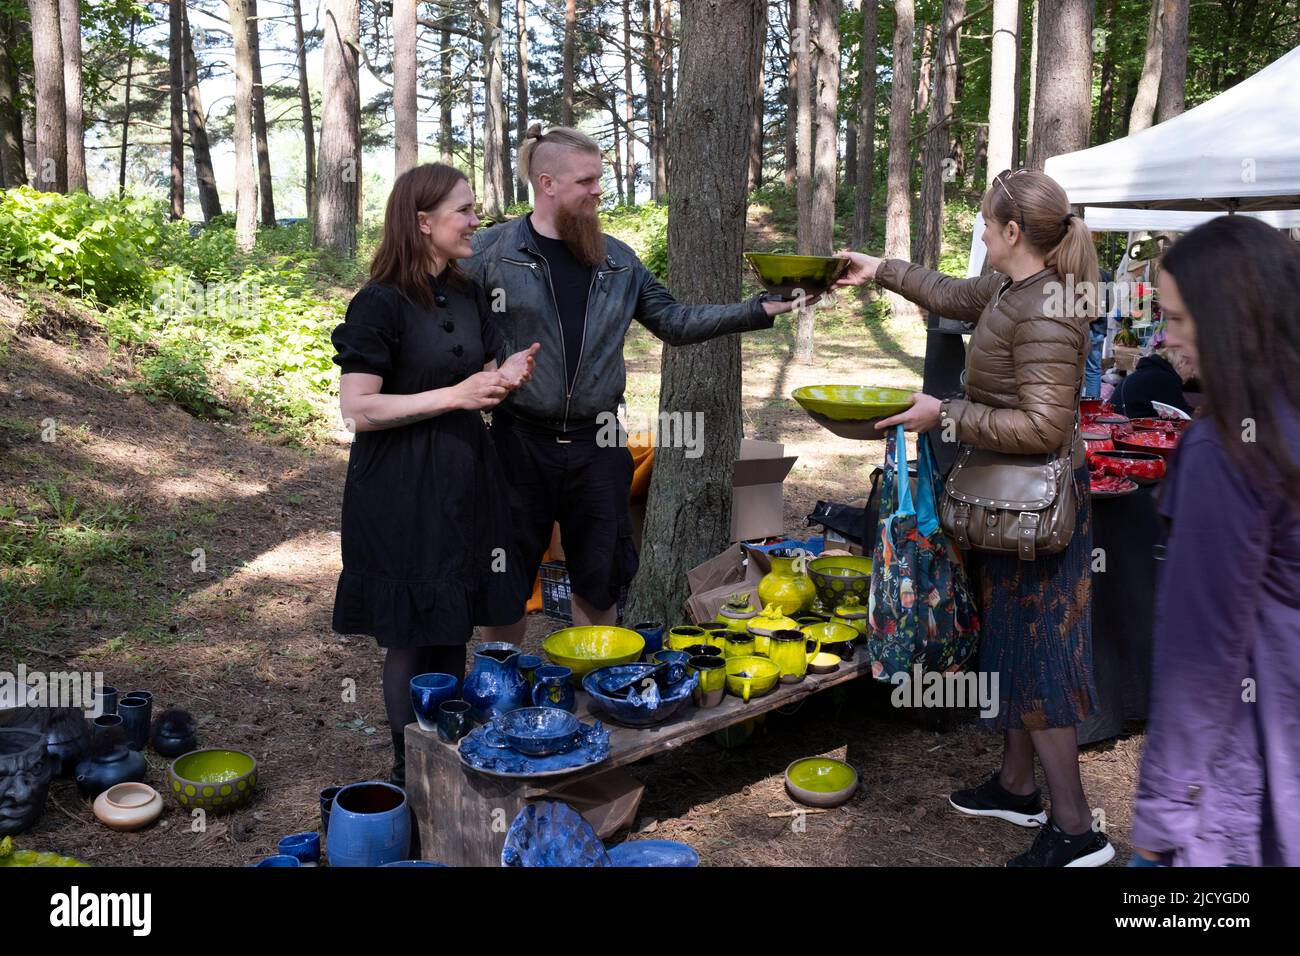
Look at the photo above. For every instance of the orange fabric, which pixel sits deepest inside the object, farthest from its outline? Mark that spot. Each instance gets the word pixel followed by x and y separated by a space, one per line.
pixel 643 459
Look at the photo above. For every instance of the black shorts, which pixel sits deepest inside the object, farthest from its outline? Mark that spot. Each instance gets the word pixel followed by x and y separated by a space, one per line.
pixel 584 487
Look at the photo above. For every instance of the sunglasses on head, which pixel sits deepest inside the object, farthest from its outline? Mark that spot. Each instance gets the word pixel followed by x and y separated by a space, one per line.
pixel 1001 179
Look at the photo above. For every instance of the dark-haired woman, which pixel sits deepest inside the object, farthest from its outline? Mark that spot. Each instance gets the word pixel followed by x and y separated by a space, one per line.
pixel 1024 372
pixel 1220 777
pixel 426 537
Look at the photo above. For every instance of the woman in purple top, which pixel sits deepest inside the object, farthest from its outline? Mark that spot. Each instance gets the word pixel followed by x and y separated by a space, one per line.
pixel 1220 777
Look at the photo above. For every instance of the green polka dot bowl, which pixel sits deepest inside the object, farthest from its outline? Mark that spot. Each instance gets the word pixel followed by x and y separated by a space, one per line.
pixel 212 780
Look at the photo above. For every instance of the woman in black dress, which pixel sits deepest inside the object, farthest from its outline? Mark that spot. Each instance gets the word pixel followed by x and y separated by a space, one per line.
pixel 426 531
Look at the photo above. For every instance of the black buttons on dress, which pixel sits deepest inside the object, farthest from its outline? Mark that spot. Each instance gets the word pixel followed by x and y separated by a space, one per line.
pixel 440 299
pixel 449 326
pixel 458 351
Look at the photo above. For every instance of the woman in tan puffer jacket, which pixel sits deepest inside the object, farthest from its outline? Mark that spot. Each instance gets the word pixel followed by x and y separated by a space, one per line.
pixel 1024 372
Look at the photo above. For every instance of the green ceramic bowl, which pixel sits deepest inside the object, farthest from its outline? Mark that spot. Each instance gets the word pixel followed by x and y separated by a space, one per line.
pixel 760 676
pixel 583 649
pixel 788 276
pixel 852 411
pixel 212 780
pixel 837 576
pixel 820 781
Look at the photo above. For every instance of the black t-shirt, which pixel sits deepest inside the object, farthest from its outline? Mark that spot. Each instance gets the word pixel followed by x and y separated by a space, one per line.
pixel 571 281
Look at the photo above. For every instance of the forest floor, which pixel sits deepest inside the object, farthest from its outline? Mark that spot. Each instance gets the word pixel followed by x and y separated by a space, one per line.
pixel 117 506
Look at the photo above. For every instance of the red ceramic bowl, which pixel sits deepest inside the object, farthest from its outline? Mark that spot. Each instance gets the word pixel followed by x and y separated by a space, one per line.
pixel 1161 443
pixel 1094 441
pixel 1110 486
pixel 1093 407
pixel 1143 467
pixel 1159 424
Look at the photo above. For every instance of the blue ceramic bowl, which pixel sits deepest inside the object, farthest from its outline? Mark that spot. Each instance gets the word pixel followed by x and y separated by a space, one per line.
pixel 652 853
pixel 637 714
pixel 278 860
pixel 676 661
pixel 428 691
pixel 538 731
pixel 304 846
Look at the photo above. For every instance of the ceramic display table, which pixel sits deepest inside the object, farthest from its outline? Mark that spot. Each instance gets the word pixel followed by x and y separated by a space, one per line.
pixel 463 814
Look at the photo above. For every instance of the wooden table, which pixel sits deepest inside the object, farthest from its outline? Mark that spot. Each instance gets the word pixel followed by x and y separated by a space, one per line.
pixel 463 814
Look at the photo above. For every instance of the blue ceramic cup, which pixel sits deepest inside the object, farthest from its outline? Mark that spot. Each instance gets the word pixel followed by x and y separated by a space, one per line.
pixel 277 860
pixel 653 632
pixel 428 691
pixel 528 663
pixel 676 661
pixel 304 846
pixel 552 687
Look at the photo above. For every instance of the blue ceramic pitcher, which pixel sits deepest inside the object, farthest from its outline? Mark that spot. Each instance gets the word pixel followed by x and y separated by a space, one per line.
pixel 495 685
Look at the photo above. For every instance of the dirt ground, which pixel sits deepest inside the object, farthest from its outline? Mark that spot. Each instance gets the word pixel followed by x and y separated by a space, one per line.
pixel 245 643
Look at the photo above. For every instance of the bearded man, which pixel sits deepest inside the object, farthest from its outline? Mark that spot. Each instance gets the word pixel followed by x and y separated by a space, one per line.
pixel 554 277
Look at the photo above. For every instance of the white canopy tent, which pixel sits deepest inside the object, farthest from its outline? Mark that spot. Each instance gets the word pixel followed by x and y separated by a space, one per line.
pixel 1239 152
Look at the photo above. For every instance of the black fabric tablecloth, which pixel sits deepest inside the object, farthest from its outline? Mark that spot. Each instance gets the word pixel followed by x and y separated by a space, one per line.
pixel 1127 530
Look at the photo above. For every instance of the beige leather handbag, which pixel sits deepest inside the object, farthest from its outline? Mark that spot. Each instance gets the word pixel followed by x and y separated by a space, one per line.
pixel 1011 504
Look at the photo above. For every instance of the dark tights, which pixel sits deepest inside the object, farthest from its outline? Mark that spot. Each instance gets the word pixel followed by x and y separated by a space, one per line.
pixel 1058 752
pixel 400 665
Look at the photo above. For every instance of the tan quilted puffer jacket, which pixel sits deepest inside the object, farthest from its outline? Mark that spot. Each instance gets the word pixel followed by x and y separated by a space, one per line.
pixel 1024 370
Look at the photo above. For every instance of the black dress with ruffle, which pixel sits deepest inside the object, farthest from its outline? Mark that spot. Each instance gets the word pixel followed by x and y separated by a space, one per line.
pixel 427 544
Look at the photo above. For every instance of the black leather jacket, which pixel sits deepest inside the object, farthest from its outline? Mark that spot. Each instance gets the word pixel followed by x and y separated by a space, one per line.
pixel 507 264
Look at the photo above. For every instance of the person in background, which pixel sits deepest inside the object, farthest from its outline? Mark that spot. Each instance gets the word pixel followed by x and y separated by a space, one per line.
pixel 425 501
pixel 1024 372
pixel 1158 377
pixel 576 290
pixel 1220 777
pixel 1097 338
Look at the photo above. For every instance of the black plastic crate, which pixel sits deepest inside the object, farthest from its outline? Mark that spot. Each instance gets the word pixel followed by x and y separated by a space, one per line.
pixel 556 591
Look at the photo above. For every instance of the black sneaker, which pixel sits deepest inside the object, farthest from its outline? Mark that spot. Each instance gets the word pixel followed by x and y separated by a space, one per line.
pixel 1053 847
pixel 990 800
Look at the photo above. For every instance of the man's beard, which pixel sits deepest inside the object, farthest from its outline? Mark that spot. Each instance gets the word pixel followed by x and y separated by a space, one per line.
pixel 581 233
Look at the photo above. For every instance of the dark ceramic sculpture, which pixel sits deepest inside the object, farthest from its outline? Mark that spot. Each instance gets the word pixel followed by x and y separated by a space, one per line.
pixel 66 732
pixel 110 762
pixel 174 733
pixel 25 769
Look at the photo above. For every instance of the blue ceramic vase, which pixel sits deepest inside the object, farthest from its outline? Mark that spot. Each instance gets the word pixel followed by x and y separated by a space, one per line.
pixel 495 686
pixel 369 825
pixel 552 688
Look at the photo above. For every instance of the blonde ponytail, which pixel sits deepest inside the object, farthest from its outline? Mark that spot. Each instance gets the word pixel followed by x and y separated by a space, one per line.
pixel 1075 260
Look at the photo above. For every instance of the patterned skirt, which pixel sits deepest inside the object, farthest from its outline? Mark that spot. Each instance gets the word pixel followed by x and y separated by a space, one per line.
pixel 1036 630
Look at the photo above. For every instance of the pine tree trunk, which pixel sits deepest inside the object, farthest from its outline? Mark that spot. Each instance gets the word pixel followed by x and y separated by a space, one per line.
pixel 669 92
pixel 338 182
pixel 176 107
pixel 12 168
pixel 654 105
pixel 851 153
pixel 827 141
pixel 898 202
pixel 308 122
pixel 493 111
pixel 51 118
pixel 1173 61
pixel 630 176
pixel 204 174
pixel 570 28
pixel 1063 110
pixel 1002 89
pixel 756 123
pixel 521 91
pixel 126 108
pixel 618 152
pixel 406 140
pixel 661 128
pixel 1106 95
pixel 792 102
pixel 925 79
pixel 689 514
pixel 1033 84
pixel 802 39
pixel 444 96
pixel 866 124
pixel 1148 88
pixel 265 193
pixel 70 29
pixel 936 164
pixel 245 184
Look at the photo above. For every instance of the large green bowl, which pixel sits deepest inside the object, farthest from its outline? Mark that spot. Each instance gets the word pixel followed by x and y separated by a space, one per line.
pixel 837 576
pixel 787 277
pixel 852 411
pixel 212 780
pixel 761 675
pixel 820 781
pixel 583 649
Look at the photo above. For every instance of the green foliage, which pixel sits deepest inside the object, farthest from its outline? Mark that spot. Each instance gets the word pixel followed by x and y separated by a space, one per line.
pixel 645 229
pixel 96 248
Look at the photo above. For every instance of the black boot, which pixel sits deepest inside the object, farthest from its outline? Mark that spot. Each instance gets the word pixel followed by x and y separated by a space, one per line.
pixel 398 777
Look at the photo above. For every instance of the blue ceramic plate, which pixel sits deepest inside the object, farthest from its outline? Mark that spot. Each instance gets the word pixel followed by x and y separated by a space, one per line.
pixel 552 833
pixel 477 753
pixel 652 853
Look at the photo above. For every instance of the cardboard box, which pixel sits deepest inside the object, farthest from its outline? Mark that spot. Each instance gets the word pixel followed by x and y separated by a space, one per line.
pixel 1126 357
pixel 712 582
pixel 757 496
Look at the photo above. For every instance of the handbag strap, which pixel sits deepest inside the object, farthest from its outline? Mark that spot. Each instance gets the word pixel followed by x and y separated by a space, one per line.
pixel 902 486
pixel 927 512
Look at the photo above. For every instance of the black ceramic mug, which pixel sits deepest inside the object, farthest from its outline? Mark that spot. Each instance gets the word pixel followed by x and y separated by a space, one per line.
pixel 135 713
pixel 326 804
pixel 453 720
